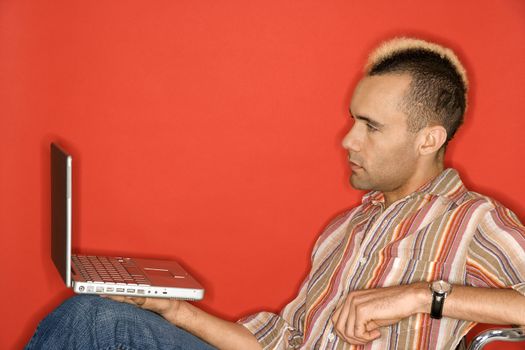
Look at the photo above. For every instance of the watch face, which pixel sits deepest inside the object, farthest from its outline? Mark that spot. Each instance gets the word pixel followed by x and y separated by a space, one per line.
pixel 441 287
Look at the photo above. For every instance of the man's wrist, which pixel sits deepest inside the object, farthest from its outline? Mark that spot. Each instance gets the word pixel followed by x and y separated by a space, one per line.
pixel 423 295
pixel 177 314
pixel 440 290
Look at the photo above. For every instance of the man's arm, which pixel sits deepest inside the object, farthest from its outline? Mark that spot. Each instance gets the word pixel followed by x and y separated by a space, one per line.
pixel 215 331
pixel 486 305
pixel 358 319
pixel 360 315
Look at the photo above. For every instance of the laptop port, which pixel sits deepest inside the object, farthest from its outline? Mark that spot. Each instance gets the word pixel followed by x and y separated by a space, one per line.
pixel 110 289
pixel 120 290
pixel 130 290
pixel 141 291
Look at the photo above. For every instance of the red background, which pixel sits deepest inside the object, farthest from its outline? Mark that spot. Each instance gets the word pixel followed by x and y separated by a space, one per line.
pixel 209 131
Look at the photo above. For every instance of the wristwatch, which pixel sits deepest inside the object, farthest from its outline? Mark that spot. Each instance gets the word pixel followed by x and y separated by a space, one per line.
pixel 440 291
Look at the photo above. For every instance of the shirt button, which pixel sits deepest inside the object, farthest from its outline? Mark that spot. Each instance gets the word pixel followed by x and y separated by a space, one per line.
pixel 362 260
pixel 331 337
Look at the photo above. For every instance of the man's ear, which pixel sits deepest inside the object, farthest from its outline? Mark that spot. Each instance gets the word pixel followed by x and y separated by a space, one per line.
pixel 431 138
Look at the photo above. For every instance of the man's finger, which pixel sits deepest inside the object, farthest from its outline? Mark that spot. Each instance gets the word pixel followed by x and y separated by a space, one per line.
pixel 335 316
pixel 343 321
pixel 364 335
pixel 372 328
pixel 124 299
pixel 138 301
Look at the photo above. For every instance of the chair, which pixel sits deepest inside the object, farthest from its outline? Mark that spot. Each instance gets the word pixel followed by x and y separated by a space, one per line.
pixel 499 334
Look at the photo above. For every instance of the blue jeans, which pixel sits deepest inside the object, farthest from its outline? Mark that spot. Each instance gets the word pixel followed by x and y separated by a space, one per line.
pixel 92 322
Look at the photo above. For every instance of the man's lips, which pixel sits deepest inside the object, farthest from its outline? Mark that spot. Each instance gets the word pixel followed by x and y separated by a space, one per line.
pixel 353 165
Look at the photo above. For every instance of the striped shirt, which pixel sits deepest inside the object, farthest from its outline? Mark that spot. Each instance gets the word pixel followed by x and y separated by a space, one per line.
pixel 440 232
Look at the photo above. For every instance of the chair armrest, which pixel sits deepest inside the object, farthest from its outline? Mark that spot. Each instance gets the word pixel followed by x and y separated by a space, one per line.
pixel 500 334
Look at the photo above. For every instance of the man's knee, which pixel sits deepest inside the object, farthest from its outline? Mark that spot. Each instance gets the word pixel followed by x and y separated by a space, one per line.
pixel 91 322
pixel 95 322
pixel 93 310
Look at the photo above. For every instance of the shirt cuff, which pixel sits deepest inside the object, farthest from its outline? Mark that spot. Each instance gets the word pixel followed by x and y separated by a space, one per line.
pixel 270 330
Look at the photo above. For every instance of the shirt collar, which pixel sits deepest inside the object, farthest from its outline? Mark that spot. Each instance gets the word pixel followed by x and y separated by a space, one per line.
pixel 447 184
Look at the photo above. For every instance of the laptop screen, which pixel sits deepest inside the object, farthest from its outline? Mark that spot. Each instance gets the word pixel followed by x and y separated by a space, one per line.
pixel 61 212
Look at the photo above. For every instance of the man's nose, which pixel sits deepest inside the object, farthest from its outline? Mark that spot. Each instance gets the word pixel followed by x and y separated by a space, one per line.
pixel 351 140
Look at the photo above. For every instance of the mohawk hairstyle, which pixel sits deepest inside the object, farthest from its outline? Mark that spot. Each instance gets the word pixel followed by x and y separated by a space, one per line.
pixel 437 94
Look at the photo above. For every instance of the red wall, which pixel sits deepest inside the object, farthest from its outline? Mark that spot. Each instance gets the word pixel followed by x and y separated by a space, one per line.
pixel 209 131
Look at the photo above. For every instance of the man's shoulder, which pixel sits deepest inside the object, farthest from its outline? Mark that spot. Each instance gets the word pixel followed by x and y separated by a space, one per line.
pixel 486 209
pixel 456 192
pixel 339 219
pixel 335 230
pixel 472 198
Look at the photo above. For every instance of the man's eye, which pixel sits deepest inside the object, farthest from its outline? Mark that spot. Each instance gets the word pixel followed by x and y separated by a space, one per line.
pixel 371 128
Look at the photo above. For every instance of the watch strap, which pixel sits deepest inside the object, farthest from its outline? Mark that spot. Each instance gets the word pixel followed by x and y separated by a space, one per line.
pixel 438 300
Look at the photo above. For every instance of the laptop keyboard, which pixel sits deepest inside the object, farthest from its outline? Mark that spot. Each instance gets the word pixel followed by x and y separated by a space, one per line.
pixel 109 270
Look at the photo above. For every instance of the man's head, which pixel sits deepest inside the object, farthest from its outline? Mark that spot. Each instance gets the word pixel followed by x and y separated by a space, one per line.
pixel 406 108
pixel 438 91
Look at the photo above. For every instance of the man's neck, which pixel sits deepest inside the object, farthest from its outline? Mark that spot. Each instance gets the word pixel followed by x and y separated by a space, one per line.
pixel 420 178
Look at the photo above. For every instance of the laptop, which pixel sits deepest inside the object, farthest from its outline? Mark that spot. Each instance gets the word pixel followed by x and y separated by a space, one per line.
pixel 117 275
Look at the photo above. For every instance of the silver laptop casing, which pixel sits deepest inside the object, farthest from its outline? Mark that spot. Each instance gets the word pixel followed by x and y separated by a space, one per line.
pixel 167 278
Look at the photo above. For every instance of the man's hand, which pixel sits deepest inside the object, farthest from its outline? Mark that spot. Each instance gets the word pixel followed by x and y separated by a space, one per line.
pixel 167 308
pixel 358 319
pixel 220 333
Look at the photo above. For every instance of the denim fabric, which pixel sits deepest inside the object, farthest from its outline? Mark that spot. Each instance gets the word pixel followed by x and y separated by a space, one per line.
pixel 92 322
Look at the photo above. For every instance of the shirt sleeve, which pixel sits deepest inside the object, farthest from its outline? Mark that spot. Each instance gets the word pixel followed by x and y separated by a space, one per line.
pixel 279 332
pixel 285 330
pixel 496 257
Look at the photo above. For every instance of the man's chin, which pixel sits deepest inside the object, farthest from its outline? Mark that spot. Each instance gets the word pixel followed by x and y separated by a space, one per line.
pixel 358 183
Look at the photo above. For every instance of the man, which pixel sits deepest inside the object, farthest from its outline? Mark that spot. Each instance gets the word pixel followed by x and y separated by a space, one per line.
pixel 413 267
